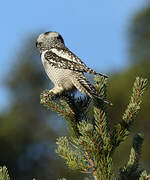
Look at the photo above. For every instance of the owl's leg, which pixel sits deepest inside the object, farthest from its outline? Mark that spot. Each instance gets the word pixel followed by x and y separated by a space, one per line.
pixel 56 90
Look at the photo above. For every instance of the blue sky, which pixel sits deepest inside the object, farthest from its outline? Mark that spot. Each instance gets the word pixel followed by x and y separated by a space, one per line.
pixel 94 30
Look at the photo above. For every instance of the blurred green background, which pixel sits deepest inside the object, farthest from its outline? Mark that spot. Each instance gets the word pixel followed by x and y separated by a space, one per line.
pixel 28 131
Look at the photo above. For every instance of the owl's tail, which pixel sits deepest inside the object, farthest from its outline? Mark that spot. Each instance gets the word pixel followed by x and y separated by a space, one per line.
pixel 83 85
pixel 91 71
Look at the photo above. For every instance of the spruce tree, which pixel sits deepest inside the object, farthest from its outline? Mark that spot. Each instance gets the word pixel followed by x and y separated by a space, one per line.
pixel 92 141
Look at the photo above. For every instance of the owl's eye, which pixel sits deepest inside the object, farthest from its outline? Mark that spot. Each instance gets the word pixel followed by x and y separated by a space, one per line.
pixel 60 38
pixel 38 44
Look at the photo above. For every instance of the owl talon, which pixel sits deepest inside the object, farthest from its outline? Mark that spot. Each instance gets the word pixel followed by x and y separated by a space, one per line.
pixel 45 95
pixel 51 93
pixel 48 94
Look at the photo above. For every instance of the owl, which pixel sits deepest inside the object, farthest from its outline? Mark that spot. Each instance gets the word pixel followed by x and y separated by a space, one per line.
pixel 63 67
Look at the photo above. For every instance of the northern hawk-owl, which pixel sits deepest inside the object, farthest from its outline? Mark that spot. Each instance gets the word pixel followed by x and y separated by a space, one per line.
pixel 63 67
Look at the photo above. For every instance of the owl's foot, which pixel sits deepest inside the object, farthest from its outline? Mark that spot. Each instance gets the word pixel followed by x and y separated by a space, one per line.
pixel 48 94
pixel 56 90
pixel 53 92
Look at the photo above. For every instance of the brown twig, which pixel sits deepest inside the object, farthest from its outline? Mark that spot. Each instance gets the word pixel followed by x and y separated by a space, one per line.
pixel 55 108
pixel 91 162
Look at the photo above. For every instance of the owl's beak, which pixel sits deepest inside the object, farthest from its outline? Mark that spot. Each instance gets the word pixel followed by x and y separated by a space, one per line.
pixel 36 44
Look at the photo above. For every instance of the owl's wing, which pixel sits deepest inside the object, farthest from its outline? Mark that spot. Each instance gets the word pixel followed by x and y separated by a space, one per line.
pixel 65 59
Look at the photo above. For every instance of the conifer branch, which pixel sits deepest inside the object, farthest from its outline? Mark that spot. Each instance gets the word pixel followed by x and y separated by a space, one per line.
pixel 144 176
pixel 135 152
pixel 62 107
pixel 135 101
pixel 132 167
pixel 4 173
pixel 90 147
pixel 91 162
pixel 121 130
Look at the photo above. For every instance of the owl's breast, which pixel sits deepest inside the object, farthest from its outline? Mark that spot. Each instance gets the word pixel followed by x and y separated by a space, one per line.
pixel 60 77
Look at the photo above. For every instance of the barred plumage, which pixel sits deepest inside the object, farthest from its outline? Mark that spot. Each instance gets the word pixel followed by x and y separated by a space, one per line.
pixel 63 67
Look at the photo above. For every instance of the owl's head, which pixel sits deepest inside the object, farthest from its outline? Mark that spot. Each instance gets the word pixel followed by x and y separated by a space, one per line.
pixel 48 40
